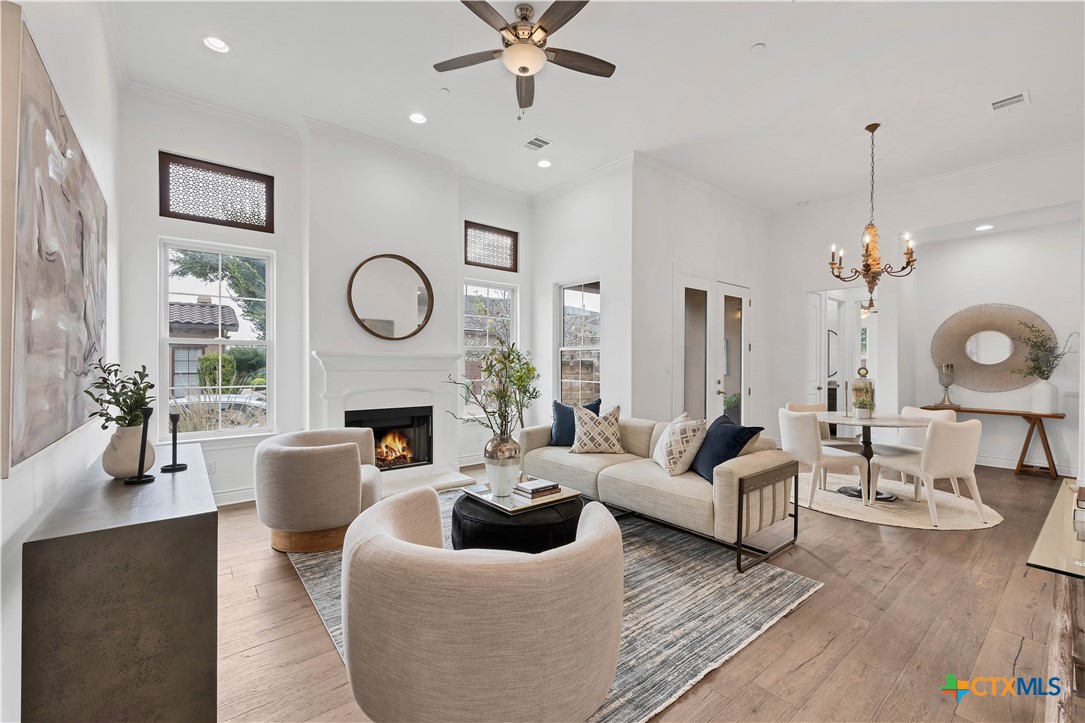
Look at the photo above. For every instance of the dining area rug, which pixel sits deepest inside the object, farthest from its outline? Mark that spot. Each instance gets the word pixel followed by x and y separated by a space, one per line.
pixel 954 513
pixel 686 609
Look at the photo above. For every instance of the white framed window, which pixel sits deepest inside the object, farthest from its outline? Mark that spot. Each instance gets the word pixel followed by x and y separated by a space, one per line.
pixel 579 370
pixel 489 317
pixel 216 347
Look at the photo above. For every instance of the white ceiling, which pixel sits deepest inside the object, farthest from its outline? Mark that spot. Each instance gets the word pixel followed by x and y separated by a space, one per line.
pixel 771 128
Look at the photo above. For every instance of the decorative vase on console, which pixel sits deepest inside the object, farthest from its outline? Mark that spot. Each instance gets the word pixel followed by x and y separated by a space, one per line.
pixel 1044 356
pixel 505 392
pixel 121 401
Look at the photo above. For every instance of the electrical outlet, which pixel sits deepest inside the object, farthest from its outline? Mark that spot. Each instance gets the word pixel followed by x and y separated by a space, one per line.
pixel 211 467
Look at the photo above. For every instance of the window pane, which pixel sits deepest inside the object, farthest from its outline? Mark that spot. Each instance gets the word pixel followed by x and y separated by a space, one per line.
pixel 198 409
pixel 244 408
pixel 474 331
pixel 244 319
pixel 245 276
pixel 249 365
pixel 194 272
pixel 498 331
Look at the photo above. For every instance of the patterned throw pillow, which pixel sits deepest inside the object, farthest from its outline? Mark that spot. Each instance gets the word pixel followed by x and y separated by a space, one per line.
pixel 678 444
pixel 599 434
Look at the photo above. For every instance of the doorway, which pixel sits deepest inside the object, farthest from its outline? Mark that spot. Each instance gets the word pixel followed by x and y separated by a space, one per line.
pixel 711 348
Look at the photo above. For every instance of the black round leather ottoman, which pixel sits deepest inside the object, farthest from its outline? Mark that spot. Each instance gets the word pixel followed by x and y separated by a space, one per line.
pixel 477 525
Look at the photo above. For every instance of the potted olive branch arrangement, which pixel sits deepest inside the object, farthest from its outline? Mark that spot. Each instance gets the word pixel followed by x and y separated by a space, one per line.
pixel 121 400
pixel 507 390
pixel 1044 357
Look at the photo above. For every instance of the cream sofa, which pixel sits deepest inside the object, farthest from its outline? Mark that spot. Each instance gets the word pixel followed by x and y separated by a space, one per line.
pixel 633 481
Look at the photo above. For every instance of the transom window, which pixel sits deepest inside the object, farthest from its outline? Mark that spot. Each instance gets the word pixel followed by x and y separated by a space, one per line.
pixel 579 361
pixel 489 247
pixel 489 314
pixel 207 192
pixel 217 343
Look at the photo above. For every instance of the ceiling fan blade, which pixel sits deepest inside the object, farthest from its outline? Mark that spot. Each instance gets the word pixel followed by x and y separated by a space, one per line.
pixel 580 62
pixel 466 60
pixel 559 13
pixel 525 90
pixel 489 15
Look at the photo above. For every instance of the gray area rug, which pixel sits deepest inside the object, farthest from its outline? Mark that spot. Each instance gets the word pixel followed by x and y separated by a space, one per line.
pixel 686 611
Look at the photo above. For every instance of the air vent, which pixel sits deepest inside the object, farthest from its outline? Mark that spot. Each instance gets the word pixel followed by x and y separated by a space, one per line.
pixel 1014 101
pixel 536 144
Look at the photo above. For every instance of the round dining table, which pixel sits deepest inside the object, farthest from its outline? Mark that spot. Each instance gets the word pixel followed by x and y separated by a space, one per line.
pixel 895 421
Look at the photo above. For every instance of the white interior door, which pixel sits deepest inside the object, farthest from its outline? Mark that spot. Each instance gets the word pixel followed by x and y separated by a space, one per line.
pixel 815 347
pixel 729 338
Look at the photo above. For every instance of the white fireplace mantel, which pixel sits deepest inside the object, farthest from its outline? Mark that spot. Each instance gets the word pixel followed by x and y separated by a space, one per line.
pixel 376 380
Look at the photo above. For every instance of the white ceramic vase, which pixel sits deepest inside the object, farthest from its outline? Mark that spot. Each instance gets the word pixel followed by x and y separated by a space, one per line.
pixel 862 413
pixel 502 458
pixel 1045 397
pixel 121 456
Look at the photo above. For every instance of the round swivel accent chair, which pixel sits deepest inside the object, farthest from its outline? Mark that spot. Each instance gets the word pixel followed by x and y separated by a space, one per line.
pixel 311 485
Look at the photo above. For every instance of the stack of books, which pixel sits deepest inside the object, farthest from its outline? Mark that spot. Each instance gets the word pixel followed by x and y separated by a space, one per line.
pixel 532 489
pixel 1079 514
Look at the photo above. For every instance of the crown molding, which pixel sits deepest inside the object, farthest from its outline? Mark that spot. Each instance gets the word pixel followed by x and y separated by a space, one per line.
pixel 359 137
pixel 626 160
pixel 640 158
pixel 959 173
pixel 490 188
pixel 153 92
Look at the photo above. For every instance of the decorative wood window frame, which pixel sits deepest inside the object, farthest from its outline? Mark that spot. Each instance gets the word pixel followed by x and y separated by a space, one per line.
pixel 164 161
pixel 513 236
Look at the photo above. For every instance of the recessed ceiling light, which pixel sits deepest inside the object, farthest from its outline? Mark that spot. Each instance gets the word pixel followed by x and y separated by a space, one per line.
pixel 417 118
pixel 757 47
pixel 984 227
pixel 544 163
pixel 217 44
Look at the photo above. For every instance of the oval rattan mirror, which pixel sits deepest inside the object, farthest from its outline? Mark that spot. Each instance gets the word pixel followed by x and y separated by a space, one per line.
pixel 390 297
pixel 956 340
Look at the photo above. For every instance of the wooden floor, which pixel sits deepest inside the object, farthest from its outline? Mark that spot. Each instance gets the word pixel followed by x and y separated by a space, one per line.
pixel 899 609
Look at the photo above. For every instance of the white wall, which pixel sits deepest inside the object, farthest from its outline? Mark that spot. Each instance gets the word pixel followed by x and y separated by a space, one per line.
pixel 1037 268
pixel 74 46
pixel 365 197
pixel 153 121
pixel 681 226
pixel 800 242
pixel 497 207
pixel 582 230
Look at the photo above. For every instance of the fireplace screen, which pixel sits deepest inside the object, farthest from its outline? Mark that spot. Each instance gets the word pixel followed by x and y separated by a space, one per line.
pixel 402 437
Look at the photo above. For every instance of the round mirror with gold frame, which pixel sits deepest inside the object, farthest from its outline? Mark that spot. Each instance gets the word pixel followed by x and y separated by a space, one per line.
pixel 981 344
pixel 390 297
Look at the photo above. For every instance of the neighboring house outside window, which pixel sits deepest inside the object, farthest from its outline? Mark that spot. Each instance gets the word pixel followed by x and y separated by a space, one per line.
pixel 218 344
pixel 489 317
pixel 579 359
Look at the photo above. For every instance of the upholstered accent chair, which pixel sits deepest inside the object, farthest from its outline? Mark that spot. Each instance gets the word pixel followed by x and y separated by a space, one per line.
pixel 800 436
pixel 478 635
pixel 311 485
pixel 949 452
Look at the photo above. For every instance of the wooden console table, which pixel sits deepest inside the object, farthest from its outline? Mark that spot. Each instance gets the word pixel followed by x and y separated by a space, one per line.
pixel 1035 424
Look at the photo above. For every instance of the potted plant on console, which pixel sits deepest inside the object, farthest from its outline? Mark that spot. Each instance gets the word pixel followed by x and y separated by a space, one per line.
pixel 1044 356
pixel 127 395
pixel 505 393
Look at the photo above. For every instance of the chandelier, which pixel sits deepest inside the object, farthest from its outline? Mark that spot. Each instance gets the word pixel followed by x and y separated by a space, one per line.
pixel 872 267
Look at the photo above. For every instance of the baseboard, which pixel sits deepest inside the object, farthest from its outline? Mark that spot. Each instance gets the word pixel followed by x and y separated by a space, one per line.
pixel 1006 463
pixel 233 497
pixel 470 459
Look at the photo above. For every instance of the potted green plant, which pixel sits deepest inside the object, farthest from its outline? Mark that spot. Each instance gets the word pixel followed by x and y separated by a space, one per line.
pixel 1044 356
pixel 505 393
pixel 864 407
pixel 120 401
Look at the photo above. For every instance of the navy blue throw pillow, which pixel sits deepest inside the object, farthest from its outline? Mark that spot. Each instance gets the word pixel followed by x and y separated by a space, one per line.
pixel 723 441
pixel 563 432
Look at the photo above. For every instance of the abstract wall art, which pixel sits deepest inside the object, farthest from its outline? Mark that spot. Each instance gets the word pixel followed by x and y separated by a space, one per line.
pixel 58 256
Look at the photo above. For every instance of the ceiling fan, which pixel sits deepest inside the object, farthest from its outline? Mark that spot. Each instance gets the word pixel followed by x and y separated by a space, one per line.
pixel 525 52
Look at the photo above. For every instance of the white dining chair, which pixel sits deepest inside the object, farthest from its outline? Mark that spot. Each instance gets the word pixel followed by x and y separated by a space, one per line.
pixel 826 436
pixel 910 439
pixel 800 436
pixel 949 451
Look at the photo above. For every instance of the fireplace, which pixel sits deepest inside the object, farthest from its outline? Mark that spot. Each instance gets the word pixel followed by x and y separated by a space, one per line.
pixel 402 436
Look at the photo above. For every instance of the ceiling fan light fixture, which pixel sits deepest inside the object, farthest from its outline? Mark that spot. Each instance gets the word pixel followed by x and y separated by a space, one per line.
pixel 524 58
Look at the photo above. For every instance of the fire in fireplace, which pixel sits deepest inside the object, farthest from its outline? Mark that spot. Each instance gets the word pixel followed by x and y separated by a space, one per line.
pixel 403 436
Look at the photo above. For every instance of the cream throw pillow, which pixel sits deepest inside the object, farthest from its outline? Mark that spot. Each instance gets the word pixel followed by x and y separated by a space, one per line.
pixel 599 434
pixel 678 444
